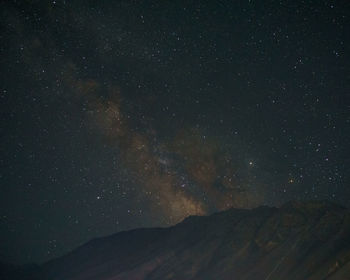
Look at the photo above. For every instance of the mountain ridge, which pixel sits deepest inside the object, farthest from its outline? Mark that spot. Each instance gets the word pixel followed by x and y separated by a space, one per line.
pixel 299 240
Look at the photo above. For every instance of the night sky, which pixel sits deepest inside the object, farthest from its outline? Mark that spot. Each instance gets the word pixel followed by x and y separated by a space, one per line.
pixel 125 114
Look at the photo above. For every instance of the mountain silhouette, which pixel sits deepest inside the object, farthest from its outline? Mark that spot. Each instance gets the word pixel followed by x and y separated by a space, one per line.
pixel 300 240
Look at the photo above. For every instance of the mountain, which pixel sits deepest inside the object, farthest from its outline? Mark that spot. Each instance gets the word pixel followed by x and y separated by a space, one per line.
pixel 300 240
pixel 25 272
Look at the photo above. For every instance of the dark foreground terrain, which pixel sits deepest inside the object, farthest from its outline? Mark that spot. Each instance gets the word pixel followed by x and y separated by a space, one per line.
pixel 309 240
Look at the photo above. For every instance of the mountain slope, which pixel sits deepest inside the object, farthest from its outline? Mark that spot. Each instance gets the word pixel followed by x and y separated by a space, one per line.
pixel 308 240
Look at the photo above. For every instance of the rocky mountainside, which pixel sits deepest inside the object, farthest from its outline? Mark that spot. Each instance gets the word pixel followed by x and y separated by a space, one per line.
pixel 308 240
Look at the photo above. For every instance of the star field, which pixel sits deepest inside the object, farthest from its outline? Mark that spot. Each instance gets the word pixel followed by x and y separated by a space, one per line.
pixel 119 114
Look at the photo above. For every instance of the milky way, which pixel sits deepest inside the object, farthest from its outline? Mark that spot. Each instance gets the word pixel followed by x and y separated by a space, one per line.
pixel 117 114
